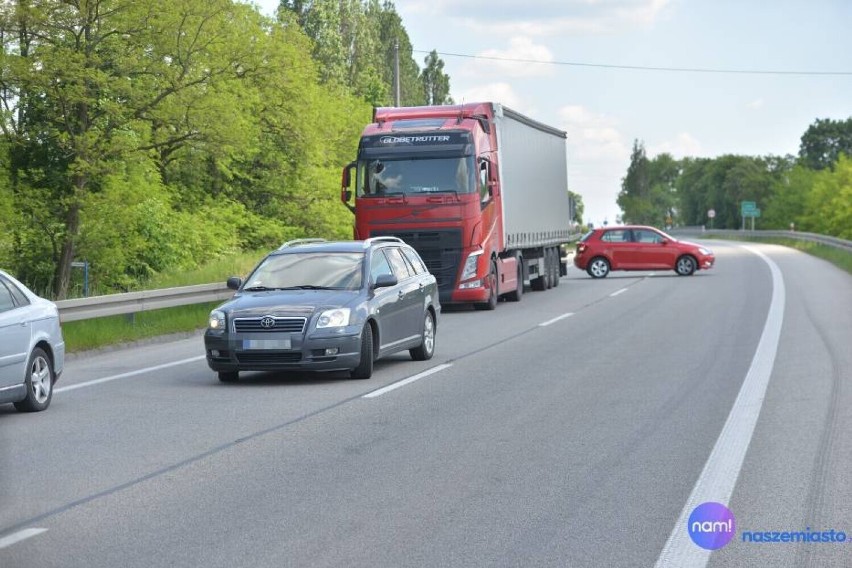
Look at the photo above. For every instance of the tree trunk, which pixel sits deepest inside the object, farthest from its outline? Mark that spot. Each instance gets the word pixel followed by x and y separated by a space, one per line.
pixel 66 257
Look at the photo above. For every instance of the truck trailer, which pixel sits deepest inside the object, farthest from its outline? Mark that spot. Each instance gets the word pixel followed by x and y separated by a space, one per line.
pixel 479 190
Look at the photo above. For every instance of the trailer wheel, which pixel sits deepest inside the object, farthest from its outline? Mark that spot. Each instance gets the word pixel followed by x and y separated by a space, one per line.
pixel 557 267
pixel 548 269
pixel 493 291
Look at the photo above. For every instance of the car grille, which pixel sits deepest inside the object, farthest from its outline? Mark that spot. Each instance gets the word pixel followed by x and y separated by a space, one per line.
pixel 440 250
pixel 253 325
pixel 268 358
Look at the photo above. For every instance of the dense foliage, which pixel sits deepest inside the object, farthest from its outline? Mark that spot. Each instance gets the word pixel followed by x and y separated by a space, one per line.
pixel 811 192
pixel 150 136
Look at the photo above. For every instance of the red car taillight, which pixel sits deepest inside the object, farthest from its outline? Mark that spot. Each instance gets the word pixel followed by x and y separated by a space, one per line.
pixel 581 248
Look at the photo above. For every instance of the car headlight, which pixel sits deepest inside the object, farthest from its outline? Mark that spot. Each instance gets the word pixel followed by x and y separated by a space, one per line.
pixel 337 317
pixel 704 251
pixel 217 320
pixel 469 270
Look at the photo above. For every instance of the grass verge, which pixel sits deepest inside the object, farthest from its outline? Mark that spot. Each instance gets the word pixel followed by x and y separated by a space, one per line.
pixel 95 333
pixel 100 332
pixel 836 256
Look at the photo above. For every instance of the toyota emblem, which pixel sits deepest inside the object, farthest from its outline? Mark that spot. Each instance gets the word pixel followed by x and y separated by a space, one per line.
pixel 267 322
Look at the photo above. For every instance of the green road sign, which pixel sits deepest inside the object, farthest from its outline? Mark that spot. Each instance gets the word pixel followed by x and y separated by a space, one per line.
pixel 747 206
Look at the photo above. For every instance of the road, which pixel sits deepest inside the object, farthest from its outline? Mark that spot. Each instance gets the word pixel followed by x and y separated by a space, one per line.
pixel 574 428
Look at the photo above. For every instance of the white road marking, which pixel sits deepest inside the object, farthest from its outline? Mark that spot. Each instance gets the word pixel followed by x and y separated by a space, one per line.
pixel 128 374
pixel 556 319
pixel 617 292
pixel 7 541
pixel 720 473
pixel 407 381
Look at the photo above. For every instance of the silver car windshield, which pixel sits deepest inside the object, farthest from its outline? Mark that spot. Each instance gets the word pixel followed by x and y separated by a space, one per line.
pixel 310 270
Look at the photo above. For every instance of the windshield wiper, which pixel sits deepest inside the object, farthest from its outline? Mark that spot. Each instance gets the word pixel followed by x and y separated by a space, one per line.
pixel 258 289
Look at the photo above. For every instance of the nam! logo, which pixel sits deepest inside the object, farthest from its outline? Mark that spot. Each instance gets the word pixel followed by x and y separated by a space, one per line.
pixel 711 525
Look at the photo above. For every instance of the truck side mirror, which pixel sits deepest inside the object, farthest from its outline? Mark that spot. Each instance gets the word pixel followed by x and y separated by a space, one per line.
pixel 345 182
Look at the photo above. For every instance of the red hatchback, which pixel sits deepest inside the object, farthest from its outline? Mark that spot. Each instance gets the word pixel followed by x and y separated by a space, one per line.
pixel 635 247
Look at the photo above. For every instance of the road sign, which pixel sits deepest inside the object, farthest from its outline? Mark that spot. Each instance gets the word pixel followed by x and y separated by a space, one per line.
pixel 747 207
pixel 711 213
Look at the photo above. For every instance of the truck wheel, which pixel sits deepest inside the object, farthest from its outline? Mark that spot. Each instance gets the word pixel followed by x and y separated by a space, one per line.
pixel 519 291
pixel 493 291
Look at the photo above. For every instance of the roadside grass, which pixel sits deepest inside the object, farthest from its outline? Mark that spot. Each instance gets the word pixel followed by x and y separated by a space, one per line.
pixel 88 334
pixel 100 332
pixel 838 257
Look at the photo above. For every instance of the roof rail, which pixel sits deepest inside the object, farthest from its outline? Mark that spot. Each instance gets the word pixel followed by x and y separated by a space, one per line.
pixel 298 242
pixel 372 240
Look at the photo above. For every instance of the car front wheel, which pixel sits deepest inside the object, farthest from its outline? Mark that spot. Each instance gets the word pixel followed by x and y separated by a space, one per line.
pixel 229 376
pixel 39 382
pixel 426 349
pixel 364 370
pixel 598 267
pixel 685 265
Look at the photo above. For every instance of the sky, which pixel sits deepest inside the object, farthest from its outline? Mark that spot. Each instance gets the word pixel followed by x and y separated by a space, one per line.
pixel 568 75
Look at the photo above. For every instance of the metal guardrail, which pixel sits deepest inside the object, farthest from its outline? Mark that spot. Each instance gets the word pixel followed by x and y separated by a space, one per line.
pixel 811 237
pixel 133 302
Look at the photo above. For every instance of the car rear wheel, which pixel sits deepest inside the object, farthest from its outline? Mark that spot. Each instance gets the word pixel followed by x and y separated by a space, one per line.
pixel 426 349
pixel 598 267
pixel 364 370
pixel 685 265
pixel 229 376
pixel 493 292
pixel 39 382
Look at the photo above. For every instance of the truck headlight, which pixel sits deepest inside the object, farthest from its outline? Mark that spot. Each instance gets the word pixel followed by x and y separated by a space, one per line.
pixel 469 270
pixel 338 317
pixel 217 320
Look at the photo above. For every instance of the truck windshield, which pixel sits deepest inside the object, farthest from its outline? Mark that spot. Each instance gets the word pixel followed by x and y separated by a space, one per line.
pixel 415 176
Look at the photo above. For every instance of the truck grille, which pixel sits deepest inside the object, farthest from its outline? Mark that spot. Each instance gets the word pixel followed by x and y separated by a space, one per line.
pixel 254 325
pixel 441 251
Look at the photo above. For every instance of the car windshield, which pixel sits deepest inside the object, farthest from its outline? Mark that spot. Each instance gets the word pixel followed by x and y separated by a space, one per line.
pixel 409 176
pixel 308 270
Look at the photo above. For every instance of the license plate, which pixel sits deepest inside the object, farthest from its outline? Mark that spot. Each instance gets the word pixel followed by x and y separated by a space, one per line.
pixel 267 344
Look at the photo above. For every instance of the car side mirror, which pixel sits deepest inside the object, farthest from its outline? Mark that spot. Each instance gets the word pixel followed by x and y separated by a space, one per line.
pixel 385 281
pixel 234 282
pixel 664 242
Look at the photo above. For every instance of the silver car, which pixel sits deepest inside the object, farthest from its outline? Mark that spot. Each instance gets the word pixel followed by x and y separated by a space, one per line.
pixel 32 351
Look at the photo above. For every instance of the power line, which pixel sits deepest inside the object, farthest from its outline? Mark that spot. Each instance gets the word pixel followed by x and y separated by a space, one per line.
pixel 641 67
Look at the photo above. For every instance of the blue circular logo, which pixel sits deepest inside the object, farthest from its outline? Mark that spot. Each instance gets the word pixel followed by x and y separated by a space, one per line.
pixel 711 525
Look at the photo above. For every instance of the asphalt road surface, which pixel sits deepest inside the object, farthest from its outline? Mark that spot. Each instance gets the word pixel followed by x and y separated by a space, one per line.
pixel 578 427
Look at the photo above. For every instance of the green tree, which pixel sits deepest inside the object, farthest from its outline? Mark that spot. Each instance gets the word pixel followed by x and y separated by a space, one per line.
pixel 824 141
pixel 436 83
pixel 634 198
pixel 579 208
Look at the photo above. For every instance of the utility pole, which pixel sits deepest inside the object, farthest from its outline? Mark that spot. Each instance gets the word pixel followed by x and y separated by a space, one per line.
pixel 396 72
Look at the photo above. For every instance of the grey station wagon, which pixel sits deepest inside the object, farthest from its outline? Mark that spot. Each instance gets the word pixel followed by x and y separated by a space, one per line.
pixel 314 305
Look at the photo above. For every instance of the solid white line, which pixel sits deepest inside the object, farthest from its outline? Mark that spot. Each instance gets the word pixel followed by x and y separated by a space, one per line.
pixel 720 473
pixel 407 381
pixel 7 541
pixel 556 319
pixel 617 292
pixel 129 374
